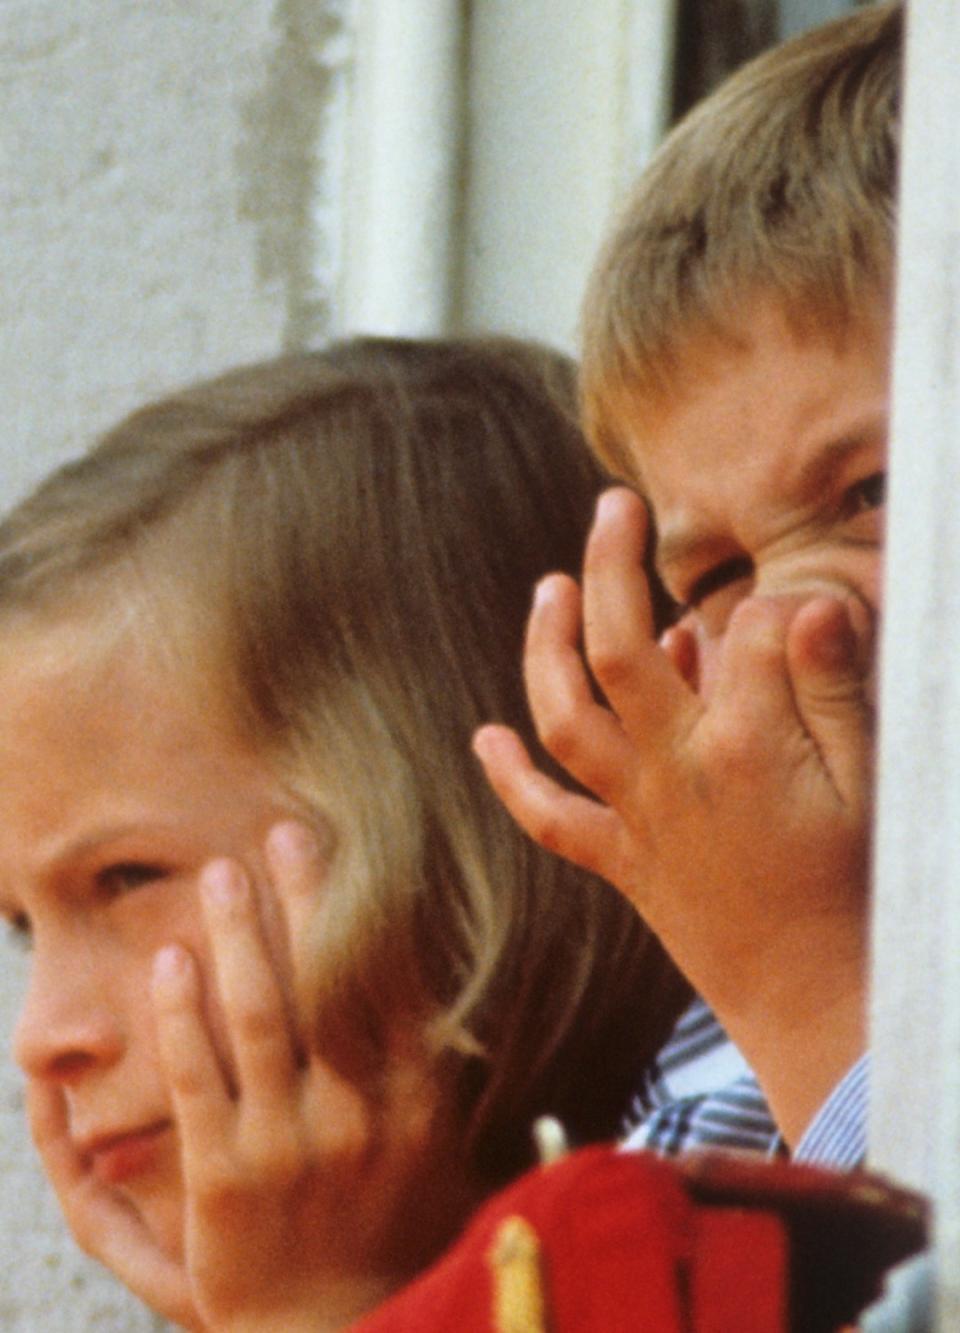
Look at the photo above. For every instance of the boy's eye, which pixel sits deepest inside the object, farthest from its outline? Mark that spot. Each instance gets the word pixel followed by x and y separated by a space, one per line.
pixel 124 876
pixel 730 571
pixel 868 494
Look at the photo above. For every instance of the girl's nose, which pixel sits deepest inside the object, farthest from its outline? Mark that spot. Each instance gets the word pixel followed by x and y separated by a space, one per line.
pixel 65 1029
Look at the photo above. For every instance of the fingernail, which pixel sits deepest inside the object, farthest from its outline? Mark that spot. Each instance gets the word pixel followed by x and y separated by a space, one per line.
pixel 608 504
pixel 544 591
pixel 837 649
pixel 292 841
pixel 486 741
pixel 480 742
pixel 222 884
pixel 171 963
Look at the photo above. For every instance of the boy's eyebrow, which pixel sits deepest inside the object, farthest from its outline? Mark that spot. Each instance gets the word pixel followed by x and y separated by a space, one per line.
pixel 828 457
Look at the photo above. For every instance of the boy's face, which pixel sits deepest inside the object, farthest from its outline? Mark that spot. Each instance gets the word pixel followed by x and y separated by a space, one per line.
pixel 115 790
pixel 767 473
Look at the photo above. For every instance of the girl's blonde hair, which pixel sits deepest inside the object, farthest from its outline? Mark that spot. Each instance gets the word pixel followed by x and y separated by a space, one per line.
pixel 781 183
pixel 340 547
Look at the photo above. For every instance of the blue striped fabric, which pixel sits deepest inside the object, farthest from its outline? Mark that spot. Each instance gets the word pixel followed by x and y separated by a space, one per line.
pixel 837 1137
pixel 700 1093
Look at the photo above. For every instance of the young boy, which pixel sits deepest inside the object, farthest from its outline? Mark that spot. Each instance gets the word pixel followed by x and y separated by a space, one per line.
pixel 736 374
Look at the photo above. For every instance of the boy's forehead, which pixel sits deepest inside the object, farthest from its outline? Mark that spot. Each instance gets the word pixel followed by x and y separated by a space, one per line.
pixel 778 410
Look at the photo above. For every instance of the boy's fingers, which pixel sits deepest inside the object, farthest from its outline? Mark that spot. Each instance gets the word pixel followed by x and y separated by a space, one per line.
pixel 679 646
pixel 829 662
pixel 790 679
pixel 581 734
pixel 560 821
pixel 640 681
pixel 752 694
pixel 200 1100
pixel 258 1026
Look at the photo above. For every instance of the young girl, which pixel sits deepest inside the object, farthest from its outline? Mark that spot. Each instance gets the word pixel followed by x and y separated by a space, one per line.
pixel 245 643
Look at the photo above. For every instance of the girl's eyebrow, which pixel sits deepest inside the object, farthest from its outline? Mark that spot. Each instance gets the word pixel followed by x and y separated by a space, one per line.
pixel 74 846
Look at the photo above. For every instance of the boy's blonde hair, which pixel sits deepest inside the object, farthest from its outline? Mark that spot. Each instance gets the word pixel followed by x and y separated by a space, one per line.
pixel 340 547
pixel 782 183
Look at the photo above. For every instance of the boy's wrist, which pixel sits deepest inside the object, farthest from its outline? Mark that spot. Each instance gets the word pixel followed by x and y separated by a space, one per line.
pixel 800 1021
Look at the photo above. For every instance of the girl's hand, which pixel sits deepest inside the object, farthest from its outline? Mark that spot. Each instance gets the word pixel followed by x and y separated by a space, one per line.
pixel 288 1192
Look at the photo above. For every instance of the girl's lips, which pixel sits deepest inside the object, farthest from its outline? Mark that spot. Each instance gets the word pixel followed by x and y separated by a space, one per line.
pixel 118 1157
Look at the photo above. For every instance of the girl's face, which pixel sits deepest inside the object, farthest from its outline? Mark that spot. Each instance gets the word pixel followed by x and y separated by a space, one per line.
pixel 115 790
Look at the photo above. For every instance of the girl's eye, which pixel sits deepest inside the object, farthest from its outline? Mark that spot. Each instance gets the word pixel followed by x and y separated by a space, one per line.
pixel 868 494
pixel 18 931
pixel 125 876
pixel 721 576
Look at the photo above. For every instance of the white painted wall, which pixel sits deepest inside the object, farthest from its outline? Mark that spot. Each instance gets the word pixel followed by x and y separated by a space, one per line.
pixel 161 202
pixel 169 185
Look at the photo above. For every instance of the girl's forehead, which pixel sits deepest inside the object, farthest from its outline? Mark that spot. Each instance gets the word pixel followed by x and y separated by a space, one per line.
pixel 89 683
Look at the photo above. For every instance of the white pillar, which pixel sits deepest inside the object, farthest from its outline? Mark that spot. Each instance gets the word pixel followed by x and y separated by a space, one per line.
pixel 564 108
pixel 915 1119
pixel 400 236
pixel 651 34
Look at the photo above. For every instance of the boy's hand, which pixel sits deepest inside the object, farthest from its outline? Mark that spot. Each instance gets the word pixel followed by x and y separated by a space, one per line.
pixel 736 822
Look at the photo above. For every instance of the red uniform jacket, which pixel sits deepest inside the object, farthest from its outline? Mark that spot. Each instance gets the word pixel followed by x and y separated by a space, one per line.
pixel 614 1242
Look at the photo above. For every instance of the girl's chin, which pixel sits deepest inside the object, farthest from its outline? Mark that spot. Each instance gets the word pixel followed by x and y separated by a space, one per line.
pixel 161 1213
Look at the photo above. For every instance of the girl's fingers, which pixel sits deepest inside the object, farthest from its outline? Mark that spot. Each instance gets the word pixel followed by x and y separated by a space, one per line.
pixel 254 1007
pixel 200 1098
pixel 297 861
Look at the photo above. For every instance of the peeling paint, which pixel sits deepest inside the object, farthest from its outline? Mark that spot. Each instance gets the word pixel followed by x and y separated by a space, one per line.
pixel 289 158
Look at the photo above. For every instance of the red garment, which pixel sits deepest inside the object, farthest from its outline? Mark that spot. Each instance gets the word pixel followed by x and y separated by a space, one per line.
pixel 613 1242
